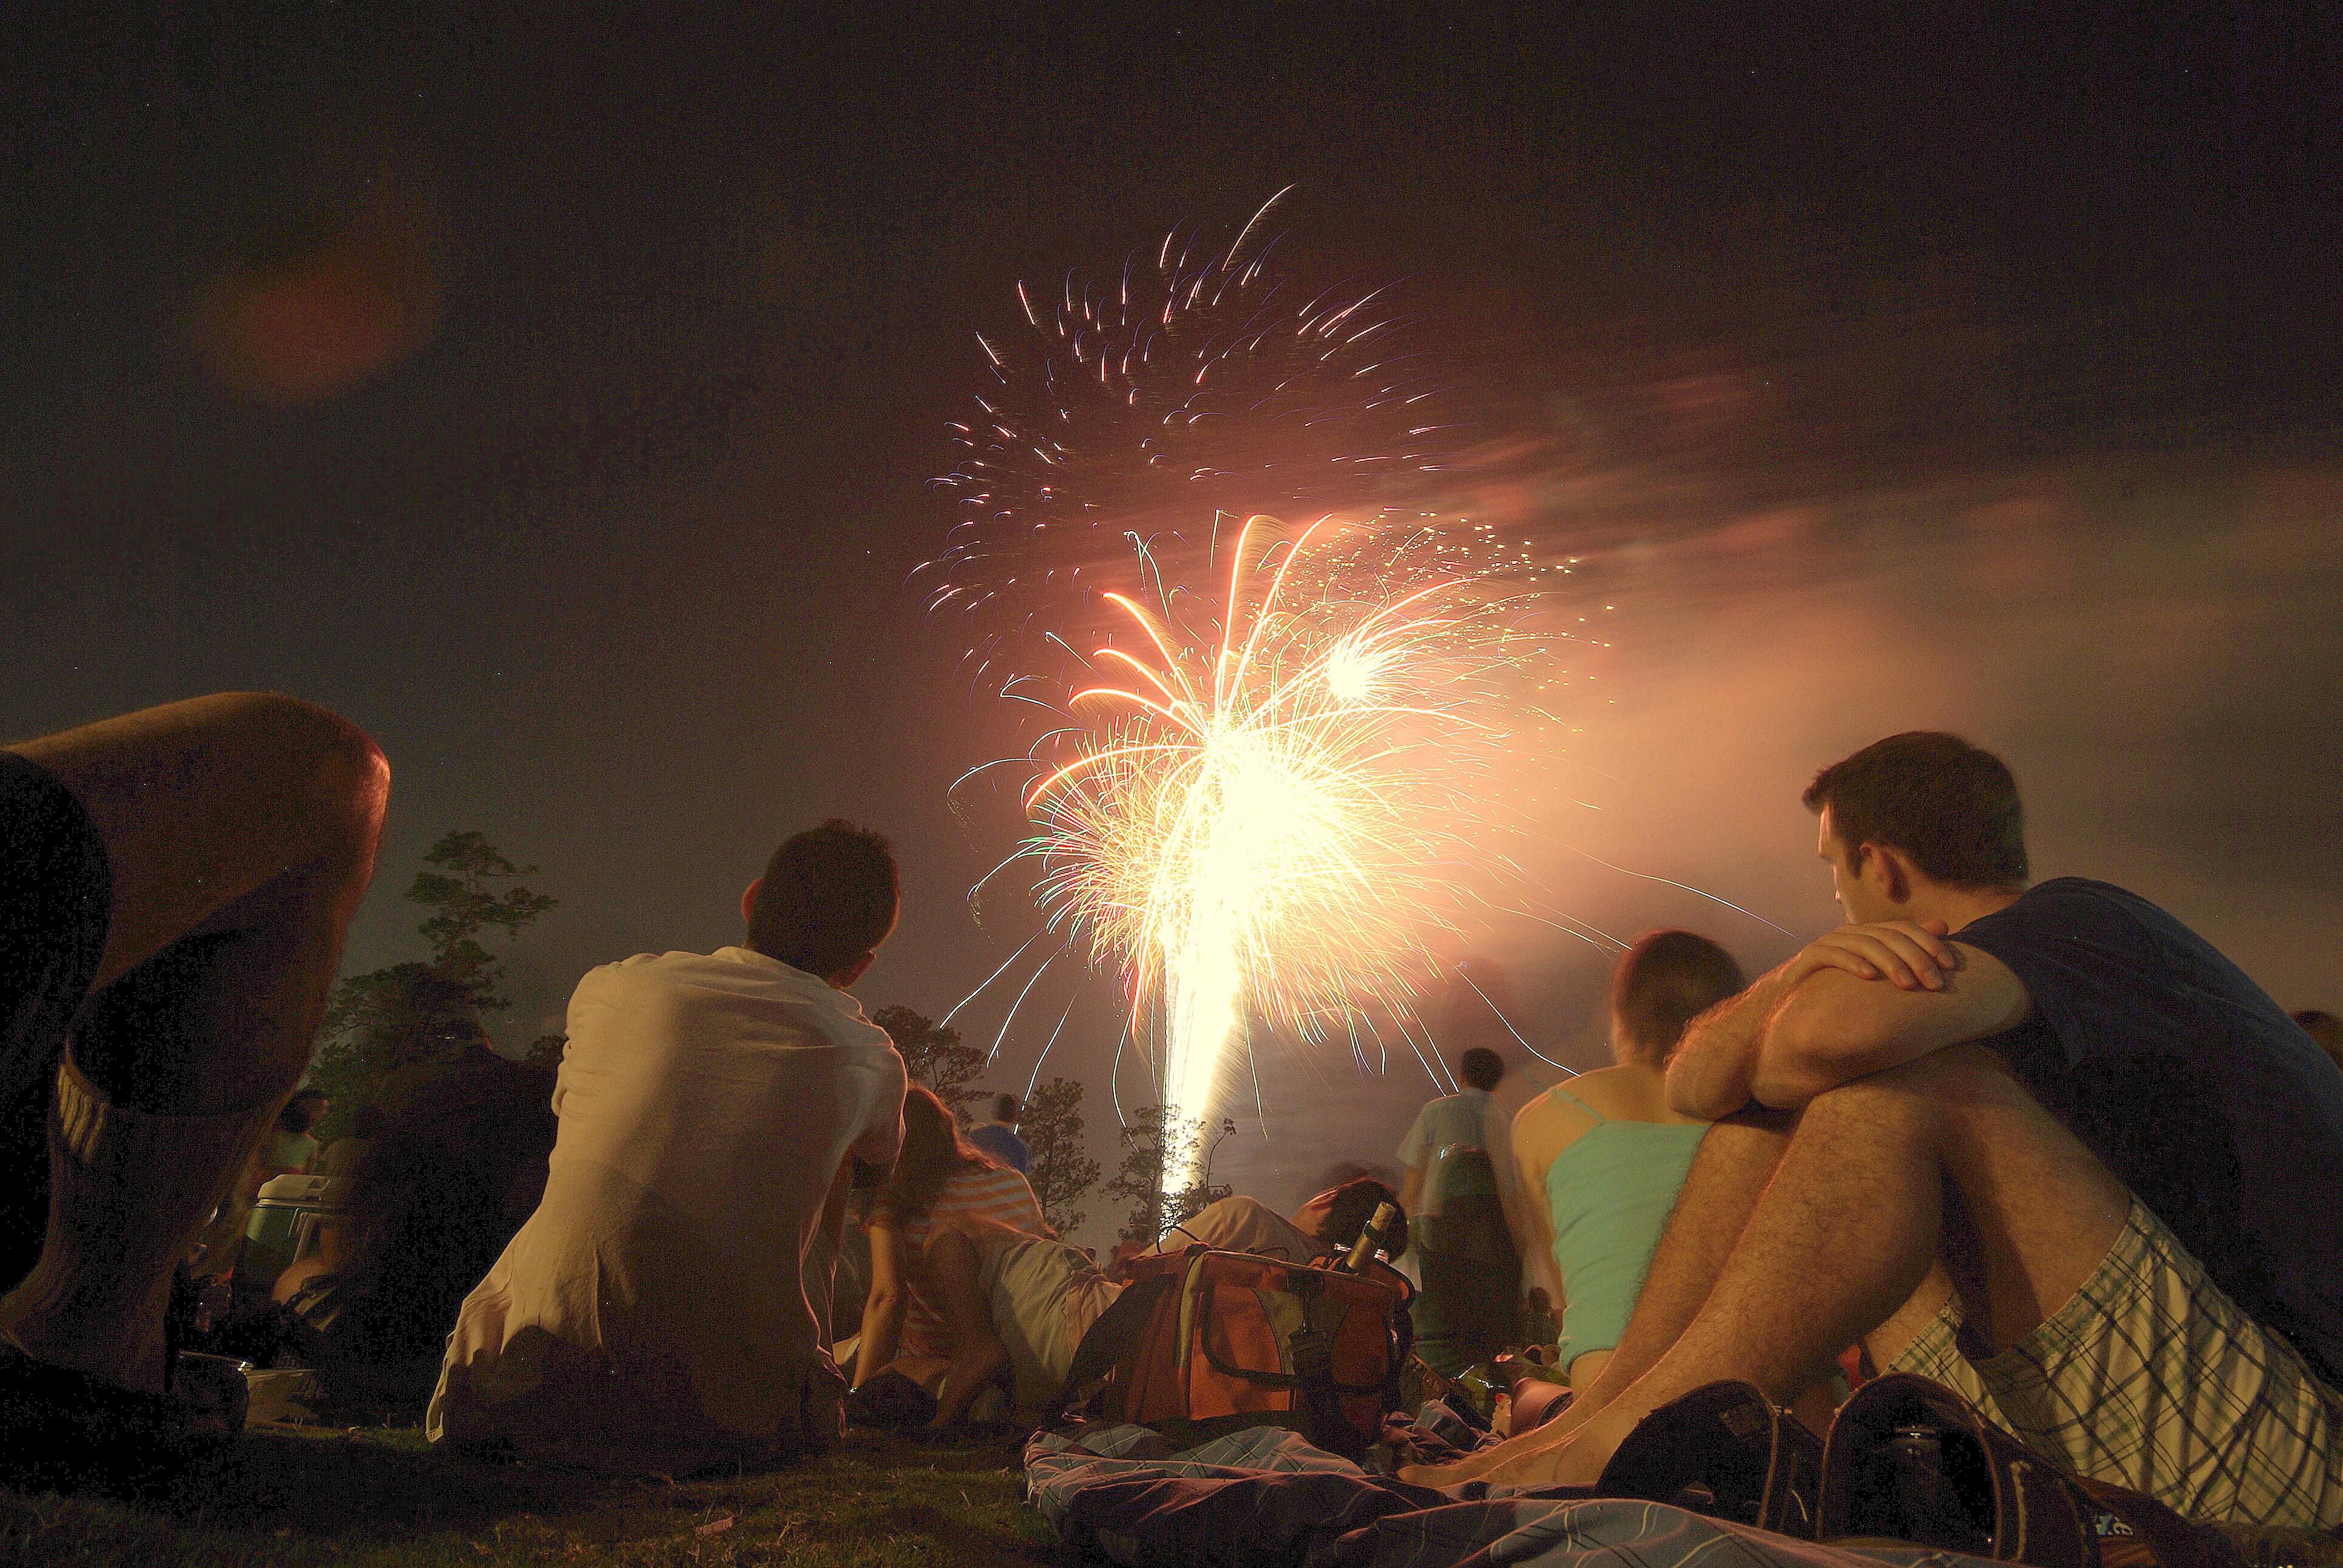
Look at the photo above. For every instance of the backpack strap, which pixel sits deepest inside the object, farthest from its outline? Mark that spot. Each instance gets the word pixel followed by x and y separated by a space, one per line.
pixel 1559 1092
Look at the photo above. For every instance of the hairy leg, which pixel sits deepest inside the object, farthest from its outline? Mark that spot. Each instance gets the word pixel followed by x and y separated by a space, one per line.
pixel 1845 1242
pixel 240 833
pixel 1736 1160
pixel 954 1258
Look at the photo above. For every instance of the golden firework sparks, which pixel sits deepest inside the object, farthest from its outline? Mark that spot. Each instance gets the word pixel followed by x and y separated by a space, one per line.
pixel 1274 820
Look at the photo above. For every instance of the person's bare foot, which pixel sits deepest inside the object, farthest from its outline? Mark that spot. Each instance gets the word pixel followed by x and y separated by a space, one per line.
pixel 1576 1460
pixel 1484 1464
pixel 973 1370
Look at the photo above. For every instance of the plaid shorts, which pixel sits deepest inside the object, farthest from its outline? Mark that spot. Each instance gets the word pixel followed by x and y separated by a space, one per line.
pixel 2151 1378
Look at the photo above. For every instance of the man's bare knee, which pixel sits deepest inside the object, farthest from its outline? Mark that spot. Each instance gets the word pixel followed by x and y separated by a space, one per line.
pixel 340 770
pixel 2029 1211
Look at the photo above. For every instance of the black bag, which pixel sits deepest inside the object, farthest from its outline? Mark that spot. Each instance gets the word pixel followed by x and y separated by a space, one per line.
pixel 1726 1450
pixel 1910 1461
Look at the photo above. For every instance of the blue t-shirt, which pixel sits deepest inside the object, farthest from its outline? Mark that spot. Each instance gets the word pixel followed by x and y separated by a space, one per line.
pixel 2192 1086
pixel 1003 1145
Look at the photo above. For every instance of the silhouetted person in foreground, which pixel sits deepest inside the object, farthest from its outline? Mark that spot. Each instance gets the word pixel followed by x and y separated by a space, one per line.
pixel 174 892
pixel 651 1315
pixel 2039 1142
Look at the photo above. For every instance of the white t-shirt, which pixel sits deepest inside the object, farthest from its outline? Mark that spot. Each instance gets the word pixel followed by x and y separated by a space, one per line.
pixel 1454 1118
pixel 651 1315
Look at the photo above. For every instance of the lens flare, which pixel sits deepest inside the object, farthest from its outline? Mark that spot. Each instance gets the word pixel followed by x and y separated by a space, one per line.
pixel 1274 803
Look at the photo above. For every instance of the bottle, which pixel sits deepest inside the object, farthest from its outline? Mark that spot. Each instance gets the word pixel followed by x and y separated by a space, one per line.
pixel 1370 1239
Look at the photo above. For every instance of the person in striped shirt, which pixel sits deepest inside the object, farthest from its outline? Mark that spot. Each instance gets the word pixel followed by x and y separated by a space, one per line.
pixel 939 1178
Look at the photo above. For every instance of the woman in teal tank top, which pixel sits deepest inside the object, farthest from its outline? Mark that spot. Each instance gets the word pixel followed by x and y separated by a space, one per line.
pixel 1607 1155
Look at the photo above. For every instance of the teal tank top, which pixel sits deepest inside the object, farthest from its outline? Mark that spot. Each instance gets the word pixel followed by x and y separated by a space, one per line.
pixel 1608 1197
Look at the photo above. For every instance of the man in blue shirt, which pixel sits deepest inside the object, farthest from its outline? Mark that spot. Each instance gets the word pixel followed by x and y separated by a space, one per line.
pixel 2040 1143
pixel 998 1136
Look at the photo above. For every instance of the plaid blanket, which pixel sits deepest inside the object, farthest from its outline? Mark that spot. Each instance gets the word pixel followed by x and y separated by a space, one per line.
pixel 1263 1495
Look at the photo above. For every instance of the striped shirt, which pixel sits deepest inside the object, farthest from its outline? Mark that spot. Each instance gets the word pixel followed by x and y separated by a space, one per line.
pixel 982 1192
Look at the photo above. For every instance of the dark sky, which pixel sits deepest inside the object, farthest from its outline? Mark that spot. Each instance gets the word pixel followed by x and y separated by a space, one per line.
pixel 660 320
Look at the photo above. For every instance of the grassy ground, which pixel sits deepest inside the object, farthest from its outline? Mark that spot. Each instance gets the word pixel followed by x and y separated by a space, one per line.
pixel 379 1498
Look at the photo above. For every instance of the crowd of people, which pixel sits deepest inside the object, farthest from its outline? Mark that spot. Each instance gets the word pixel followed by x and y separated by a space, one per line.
pixel 2037 1141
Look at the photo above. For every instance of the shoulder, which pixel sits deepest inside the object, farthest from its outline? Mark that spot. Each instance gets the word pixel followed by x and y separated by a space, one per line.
pixel 1547 1125
pixel 642 970
pixel 1606 1089
pixel 2068 907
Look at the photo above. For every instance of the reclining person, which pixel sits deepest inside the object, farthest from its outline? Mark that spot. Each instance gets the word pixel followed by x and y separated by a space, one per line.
pixel 1024 1302
pixel 1323 1227
pixel 2068 1159
pixel 181 878
pixel 651 1314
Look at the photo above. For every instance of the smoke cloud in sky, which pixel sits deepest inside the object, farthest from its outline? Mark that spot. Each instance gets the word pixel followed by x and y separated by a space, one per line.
pixel 2155 653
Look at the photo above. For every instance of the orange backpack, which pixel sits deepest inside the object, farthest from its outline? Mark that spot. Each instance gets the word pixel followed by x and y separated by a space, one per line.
pixel 1204 1342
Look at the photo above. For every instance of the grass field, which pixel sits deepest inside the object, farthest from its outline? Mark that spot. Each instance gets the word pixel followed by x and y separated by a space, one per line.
pixel 287 1497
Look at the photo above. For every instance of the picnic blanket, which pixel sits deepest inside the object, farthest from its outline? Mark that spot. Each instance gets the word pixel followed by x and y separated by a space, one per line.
pixel 1263 1496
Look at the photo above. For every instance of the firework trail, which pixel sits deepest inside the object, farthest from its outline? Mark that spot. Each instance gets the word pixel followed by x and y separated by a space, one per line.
pixel 1270 813
pixel 1269 783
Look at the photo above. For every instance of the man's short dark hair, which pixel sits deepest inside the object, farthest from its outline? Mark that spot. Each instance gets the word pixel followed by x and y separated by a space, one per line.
pixel 1355 1202
pixel 1664 982
pixel 1950 806
pixel 1480 1068
pixel 1005 1108
pixel 828 898
pixel 318 1095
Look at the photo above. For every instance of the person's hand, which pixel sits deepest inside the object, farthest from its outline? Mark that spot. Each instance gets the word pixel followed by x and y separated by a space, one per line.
pixel 1911 955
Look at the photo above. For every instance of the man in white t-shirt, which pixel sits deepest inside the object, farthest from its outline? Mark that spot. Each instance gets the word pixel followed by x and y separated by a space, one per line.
pixel 649 1316
pixel 1458 1155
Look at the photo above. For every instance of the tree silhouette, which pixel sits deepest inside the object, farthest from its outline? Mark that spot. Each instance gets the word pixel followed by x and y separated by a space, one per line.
pixel 465 904
pixel 1052 1127
pixel 933 1055
pixel 418 1012
pixel 1154 1139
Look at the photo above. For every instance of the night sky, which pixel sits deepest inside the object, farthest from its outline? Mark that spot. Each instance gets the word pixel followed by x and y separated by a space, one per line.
pixel 555 396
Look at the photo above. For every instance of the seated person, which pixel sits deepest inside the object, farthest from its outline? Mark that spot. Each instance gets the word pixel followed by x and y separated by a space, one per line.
pixel 293 1151
pixel 173 902
pixel 651 1315
pixel 938 1178
pixel 2040 1143
pixel 369 1304
pixel 1023 1303
pixel 342 1155
pixel 1606 1157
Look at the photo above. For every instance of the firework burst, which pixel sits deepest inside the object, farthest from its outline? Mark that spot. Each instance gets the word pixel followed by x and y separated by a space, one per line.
pixel 1271 817
pixel 1133 407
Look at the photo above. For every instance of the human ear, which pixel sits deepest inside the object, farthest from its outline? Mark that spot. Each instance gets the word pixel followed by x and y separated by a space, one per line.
pixel 749 901
pixel 1895 878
